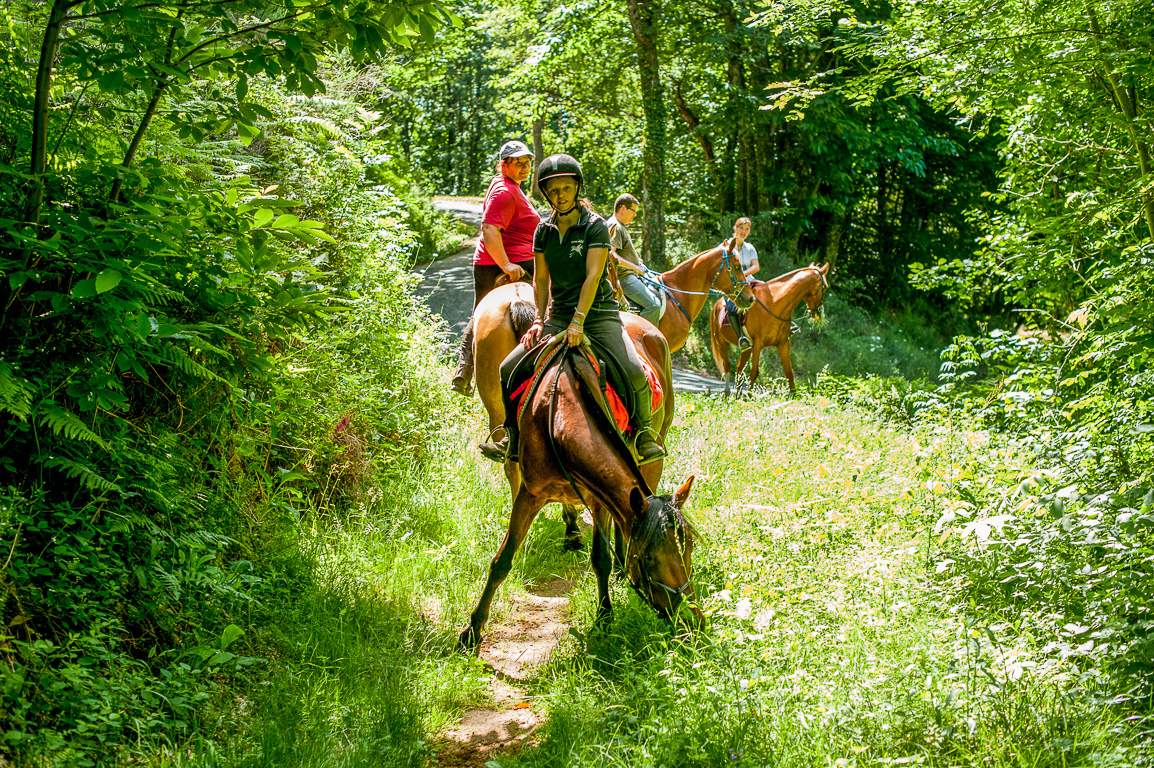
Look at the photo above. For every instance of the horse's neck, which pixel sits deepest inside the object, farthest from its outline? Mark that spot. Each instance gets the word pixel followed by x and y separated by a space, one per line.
pixel 696 278
pixel 789 289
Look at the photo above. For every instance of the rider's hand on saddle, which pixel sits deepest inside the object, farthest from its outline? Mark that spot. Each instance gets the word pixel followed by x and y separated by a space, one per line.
pixel 514 271
pixel 532 335
pixel 574 335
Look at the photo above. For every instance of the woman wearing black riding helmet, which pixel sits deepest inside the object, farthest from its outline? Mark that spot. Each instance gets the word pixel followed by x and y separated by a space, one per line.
pixel 570 249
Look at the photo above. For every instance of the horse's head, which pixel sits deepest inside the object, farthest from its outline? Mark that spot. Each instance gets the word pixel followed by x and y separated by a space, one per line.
pixel 814 298
pixel 731 280
pixel 660 561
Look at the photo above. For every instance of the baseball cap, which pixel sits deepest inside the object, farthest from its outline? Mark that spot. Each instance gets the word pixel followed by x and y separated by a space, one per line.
pixel 514 149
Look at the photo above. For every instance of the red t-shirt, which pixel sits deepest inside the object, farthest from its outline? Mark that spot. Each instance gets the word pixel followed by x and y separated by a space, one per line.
pixel 507 207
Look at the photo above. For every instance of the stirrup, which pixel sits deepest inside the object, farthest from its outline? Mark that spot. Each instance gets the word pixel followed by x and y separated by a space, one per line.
pixel 650 455
pixel 743 342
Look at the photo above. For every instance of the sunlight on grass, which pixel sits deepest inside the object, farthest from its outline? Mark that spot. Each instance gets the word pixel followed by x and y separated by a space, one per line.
pixel 830 641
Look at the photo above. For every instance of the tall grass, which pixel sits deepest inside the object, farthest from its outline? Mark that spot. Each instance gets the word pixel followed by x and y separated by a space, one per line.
pixel 831 640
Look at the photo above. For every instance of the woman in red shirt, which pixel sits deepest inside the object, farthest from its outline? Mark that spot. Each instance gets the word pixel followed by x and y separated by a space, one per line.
pixel 508 222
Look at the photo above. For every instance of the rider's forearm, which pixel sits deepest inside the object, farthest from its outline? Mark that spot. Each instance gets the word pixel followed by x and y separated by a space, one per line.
pixel 594 272
pixel 540 285
pixel 494 245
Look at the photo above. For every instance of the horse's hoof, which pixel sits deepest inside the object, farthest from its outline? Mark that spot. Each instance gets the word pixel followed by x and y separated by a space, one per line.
pixel 469 642
pixel 573 544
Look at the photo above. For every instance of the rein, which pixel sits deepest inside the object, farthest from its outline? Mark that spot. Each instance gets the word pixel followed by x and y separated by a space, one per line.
pixel 659 281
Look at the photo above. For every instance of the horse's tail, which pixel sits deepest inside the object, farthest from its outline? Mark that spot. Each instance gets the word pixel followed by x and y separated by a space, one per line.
pixel 717 344
pixel 522 313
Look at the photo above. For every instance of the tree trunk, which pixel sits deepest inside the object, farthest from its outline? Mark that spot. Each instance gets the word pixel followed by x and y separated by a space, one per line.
pixel 1129 108
pixel 149 112
pixel 703 141
pixel 538 156
pixel 644 16
pixel 833 241
pixel 39 160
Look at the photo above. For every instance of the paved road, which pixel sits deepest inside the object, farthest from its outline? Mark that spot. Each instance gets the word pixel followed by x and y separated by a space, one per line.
pixel 447 285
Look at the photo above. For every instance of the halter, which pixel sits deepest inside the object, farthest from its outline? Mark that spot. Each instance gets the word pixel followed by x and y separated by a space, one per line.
pixel 644 578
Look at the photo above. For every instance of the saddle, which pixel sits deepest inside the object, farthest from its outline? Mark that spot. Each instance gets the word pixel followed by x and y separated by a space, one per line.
pixel 723 315
pixel 527 376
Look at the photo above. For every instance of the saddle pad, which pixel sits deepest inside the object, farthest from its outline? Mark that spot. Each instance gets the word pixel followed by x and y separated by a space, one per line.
pixel 620 412
pixel 616 404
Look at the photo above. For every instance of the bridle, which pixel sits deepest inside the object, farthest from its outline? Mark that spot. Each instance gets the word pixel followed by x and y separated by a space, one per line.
pixel 727 263
pixel 796 328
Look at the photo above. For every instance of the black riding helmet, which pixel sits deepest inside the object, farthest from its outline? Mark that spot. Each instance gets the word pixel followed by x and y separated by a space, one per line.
pixel 559 165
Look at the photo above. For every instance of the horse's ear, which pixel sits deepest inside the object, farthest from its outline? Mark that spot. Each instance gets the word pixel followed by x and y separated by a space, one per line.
pixel 682 494
pixel 825 268
pixel 637 502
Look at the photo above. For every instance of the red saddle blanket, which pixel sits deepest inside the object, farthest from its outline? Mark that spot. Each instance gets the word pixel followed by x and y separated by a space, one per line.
pixel 616 404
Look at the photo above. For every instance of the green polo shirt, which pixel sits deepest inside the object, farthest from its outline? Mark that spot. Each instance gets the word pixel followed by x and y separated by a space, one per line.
pixel 565 258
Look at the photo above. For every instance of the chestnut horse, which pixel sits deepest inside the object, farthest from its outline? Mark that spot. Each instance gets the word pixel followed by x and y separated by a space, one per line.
pixel 768 322
pixel 689 284
pixel 571 453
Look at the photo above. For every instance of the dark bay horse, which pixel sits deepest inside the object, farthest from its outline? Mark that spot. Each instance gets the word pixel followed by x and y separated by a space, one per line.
pixel 768 322
pixel 499 321
pixel 570 453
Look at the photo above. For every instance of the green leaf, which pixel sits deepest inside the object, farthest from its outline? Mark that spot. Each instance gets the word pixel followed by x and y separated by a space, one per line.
pixel 107 280
pixel 262 217
pixel 85 289
pixel 427 33
pixel 241 87
pixel 111 81
pixel 230 634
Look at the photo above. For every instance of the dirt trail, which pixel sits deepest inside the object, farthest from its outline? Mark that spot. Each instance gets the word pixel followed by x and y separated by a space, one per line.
pixel 510 651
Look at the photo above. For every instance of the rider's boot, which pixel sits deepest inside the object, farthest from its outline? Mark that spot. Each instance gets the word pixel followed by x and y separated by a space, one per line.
pixel 462 382
pixel 645 445
pixel 506 448
pixel 743 342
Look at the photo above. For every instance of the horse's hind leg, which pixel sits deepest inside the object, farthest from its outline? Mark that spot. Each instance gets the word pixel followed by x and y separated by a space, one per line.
pixel 525 508
pixel 569 514
pixel 742 359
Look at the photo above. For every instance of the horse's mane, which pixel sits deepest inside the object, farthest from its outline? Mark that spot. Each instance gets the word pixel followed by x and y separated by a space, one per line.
pixel 583 370
pixel 649 529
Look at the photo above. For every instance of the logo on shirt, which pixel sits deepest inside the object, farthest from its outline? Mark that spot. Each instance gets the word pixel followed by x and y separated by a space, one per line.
pixel 577 249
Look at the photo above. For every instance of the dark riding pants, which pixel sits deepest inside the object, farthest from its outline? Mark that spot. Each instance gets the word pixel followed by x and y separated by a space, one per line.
pixel 609 339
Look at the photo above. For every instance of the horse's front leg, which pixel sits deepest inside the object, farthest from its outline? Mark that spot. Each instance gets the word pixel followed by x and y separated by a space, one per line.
pixel 602 565
pixel 525 508
pixel 569 514
pixel 786 365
